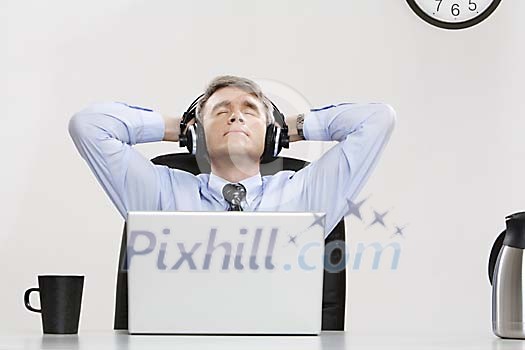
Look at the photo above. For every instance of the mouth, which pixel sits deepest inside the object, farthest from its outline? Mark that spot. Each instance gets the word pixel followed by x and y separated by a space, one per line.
pixel 235 132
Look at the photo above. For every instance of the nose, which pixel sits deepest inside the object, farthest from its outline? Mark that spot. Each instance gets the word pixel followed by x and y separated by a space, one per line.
pixel 233 117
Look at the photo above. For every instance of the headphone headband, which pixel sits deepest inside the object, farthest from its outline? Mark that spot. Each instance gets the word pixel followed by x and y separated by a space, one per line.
pixel 275 139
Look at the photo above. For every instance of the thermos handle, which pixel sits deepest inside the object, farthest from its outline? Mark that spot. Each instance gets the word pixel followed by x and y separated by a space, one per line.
pixel 498 244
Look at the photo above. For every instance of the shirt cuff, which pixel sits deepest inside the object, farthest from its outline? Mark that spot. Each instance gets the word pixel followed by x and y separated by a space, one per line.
pixel 152 127
pixel 314 128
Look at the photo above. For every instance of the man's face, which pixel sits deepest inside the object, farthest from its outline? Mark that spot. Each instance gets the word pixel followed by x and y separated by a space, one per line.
pixel 234 124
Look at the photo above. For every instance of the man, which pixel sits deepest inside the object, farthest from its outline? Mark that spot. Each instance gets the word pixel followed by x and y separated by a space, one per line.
pixel 234 114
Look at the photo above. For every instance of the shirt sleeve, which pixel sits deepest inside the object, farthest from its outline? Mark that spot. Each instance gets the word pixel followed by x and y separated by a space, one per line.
pixel 103 133
pixel 329 183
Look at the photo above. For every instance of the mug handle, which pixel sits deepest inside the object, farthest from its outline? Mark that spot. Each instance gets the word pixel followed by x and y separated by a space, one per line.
pixel 26 299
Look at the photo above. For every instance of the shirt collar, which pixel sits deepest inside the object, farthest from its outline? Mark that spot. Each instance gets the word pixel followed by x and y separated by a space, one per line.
pixel 252 184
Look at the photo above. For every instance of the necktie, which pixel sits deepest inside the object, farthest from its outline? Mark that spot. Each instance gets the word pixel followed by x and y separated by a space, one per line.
pixel 234 193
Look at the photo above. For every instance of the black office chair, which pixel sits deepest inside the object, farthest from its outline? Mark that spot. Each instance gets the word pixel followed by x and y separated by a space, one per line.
pixel 334 283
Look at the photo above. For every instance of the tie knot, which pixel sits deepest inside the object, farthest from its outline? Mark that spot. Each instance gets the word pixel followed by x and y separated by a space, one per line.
pixel 234 194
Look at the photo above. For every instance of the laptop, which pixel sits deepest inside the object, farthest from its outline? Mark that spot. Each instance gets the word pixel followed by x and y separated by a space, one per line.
pixel 225 272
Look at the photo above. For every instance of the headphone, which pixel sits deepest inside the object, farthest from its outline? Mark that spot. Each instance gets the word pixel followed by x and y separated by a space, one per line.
pixel 194 140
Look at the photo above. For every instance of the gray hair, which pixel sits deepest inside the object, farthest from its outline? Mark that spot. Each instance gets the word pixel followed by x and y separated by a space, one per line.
pixel 238 82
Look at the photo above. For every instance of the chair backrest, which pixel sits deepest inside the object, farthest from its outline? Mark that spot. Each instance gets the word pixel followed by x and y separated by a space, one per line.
pixel 334 283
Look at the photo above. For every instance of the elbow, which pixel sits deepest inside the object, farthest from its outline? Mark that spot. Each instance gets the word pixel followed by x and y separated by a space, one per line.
pixel 81 121
pixel 76 125
pixel 79 125
pixel 388 116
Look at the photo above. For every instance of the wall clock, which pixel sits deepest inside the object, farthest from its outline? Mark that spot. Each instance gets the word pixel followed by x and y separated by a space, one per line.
pixel 453 14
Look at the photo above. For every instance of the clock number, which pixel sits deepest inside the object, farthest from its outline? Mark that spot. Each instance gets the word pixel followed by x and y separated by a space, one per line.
pixel 455 10
pixel 452 14
pixel 439 4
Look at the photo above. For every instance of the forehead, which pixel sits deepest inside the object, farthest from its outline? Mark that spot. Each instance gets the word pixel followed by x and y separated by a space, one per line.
pixel 232 95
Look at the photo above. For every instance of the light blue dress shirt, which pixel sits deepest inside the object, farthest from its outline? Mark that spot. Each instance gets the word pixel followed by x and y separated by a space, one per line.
pixel 104 133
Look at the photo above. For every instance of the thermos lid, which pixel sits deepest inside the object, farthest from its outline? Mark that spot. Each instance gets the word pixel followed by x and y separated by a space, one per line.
pixel 515 235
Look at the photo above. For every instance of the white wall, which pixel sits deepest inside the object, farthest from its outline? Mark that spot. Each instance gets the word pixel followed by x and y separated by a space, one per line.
pixel 452 171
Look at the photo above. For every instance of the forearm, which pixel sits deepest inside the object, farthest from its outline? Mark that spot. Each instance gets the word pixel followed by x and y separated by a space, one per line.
pixel 335 123
pixel 291 121
pixel 171 128
pixel 117 120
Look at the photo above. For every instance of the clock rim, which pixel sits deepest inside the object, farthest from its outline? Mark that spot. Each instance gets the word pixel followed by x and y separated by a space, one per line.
pixel 447 25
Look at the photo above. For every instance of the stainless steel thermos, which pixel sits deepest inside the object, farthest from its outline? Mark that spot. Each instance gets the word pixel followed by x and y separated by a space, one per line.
pixel 507 276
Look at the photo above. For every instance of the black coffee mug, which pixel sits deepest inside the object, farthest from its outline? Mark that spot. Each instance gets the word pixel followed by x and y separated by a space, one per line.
pixel 60 300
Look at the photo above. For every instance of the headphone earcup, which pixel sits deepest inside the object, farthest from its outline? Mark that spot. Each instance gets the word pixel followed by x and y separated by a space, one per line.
pixel 190 136
pixel 269 144
pixel 202 150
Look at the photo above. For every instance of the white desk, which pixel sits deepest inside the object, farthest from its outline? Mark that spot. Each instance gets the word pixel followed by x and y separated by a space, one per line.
pixel 118 340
